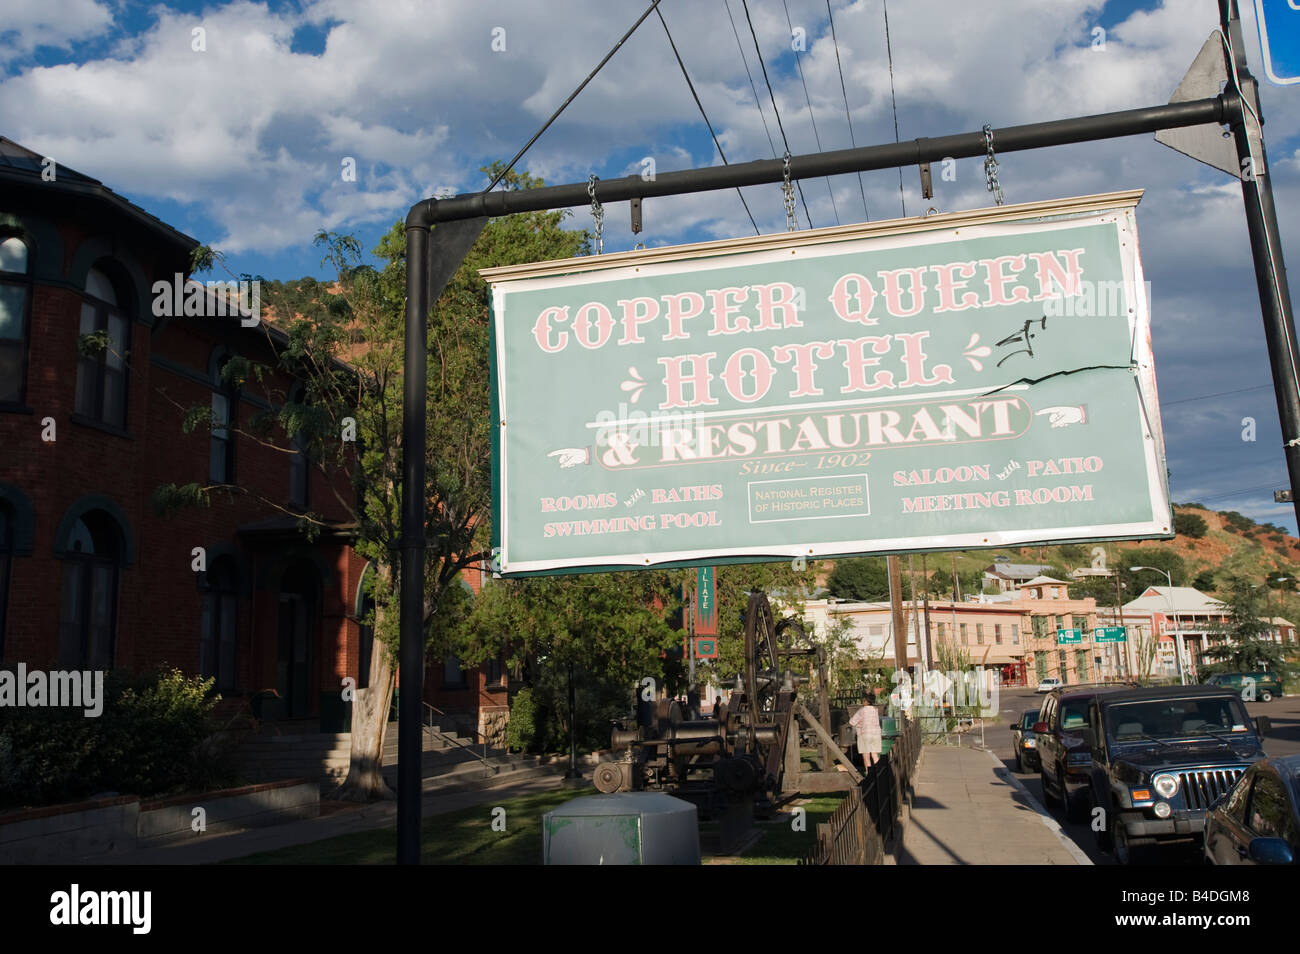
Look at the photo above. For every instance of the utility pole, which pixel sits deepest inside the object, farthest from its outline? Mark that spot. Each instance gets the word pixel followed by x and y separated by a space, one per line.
pixel 1265 242
pixel 1119 606
pixel 899 624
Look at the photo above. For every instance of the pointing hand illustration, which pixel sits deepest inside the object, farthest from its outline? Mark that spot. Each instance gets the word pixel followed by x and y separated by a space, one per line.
pixel 571 456
pixel 1063 416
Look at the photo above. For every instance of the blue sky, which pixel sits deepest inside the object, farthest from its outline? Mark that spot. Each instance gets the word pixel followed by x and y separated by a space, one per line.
pixel 240 144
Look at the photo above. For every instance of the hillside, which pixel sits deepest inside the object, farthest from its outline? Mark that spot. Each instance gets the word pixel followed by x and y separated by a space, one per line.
pixel 1231 545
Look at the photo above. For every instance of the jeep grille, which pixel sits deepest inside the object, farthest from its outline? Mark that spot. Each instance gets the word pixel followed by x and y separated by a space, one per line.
pixel 1205 786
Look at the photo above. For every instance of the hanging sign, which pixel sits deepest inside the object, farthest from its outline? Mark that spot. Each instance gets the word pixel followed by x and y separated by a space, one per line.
pixel 706 610
pixel 706 647
pixel 974 379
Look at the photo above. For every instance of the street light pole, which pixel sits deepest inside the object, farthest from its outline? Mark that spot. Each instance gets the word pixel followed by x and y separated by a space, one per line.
pixel 1178 633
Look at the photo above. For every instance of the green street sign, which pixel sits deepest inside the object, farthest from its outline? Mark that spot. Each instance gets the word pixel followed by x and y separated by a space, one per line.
pixel 1069 636
pixel 1109 634
pixel 970 379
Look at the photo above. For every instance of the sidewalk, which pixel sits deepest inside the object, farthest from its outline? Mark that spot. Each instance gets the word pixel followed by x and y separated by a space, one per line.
pixel 968 810
pixel 337 818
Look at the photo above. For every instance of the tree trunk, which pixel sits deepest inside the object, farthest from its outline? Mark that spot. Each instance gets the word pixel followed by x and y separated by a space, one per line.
pixel 365 781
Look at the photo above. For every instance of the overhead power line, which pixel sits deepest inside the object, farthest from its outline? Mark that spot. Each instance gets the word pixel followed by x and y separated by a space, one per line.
pixel 844 92
pixel 1202 397
pixel 706 118
pixel 812 118
pixel 771 95
pixel 581 86
pixel 757 105
pixel 889 50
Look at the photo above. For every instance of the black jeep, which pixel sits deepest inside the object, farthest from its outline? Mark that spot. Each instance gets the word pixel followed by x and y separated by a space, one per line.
pixel 1160 757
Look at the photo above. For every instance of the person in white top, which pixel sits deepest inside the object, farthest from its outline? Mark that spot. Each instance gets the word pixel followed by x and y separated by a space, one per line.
pixel 866 723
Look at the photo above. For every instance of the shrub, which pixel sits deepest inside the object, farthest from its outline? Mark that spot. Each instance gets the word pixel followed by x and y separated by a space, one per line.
pixel 521 730
pixel 144 742
pixel 1190 525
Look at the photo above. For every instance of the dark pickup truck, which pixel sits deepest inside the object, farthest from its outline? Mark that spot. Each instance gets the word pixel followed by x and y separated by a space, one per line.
pixel 1160 757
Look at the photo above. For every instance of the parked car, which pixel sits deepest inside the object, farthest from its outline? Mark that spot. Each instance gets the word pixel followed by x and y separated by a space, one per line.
pixel 1262 686
pixel 1047 685
pixel 1023 743
pixel 1161 757
pixel 1064 758
pixel 1258 821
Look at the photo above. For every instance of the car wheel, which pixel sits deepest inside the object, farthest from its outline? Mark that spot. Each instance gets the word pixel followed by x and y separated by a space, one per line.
pixel 1103 836
pixel 1123 851
pixel 1076 807
pixel 1265 696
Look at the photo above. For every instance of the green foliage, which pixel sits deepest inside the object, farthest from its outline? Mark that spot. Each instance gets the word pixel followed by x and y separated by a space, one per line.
pixel 1166 560
pixel 145 742
pixel 1099 588
pixel 1190 525
pixel 1248 629
pixel 167 499
pixel 199 415
pixel 1237 522
pixel 1205 581
pixel 864 579
pixel 92 343
pixel 521 730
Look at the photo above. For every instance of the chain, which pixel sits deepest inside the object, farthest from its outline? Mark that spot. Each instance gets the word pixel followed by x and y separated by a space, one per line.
pixel 790 224
pixel 991 167
pixel 597 214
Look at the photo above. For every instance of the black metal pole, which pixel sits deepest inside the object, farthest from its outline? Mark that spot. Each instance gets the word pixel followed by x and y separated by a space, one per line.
pixel 573 730
pixel 411 667
pixel 1265 247
pixel 1060 132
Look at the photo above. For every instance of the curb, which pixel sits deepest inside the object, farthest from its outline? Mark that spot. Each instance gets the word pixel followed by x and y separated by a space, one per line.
pixel 1044 815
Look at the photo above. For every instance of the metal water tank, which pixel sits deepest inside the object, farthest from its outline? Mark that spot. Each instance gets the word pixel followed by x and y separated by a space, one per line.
pixel 626 828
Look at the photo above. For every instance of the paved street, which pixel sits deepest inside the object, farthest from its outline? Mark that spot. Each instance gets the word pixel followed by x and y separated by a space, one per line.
pixel 1283 739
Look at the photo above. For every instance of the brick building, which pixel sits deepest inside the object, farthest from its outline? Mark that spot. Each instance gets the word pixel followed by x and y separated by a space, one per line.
pixel 91 576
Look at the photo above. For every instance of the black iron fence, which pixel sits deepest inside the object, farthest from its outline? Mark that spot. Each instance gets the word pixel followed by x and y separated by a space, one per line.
pixel 867 820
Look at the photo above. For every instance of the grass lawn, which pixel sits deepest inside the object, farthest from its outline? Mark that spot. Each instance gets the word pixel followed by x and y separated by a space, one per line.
pixel 466 837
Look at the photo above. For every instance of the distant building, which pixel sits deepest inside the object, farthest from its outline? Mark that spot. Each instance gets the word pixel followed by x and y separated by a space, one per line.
pixel 1010 576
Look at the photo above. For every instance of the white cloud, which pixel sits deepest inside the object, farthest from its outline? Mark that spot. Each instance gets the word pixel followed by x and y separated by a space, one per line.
pixel 30 24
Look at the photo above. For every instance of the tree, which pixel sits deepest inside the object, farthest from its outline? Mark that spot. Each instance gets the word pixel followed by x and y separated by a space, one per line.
pixel 1205 581
pixel 609 630
pixel 1162 559
pixel 1249 647
pixel 1190 524
pixel 864 579
pixel 361 321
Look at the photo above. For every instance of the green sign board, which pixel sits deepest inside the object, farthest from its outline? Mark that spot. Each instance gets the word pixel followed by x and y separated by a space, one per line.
pixel 974 379
pixel 706 607
pixel 1109 634
pixel 1069 636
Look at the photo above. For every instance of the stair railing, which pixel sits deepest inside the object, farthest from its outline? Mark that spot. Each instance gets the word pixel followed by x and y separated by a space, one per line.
pixel 438 734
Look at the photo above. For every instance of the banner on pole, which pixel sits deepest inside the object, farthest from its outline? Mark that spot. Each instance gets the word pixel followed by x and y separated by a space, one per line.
pixel 706 647
pixel 974 379
pixel 705 613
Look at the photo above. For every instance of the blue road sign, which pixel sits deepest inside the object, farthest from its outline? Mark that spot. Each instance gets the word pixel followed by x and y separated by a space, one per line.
pixel 1279 38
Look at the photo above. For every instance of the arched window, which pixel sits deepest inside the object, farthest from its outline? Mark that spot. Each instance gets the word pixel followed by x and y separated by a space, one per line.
pixel 298 460
pixel 219 625
pixel 225 405
pixel 15 311
pixel 6 559
pixel 88 604
pixel 101 377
